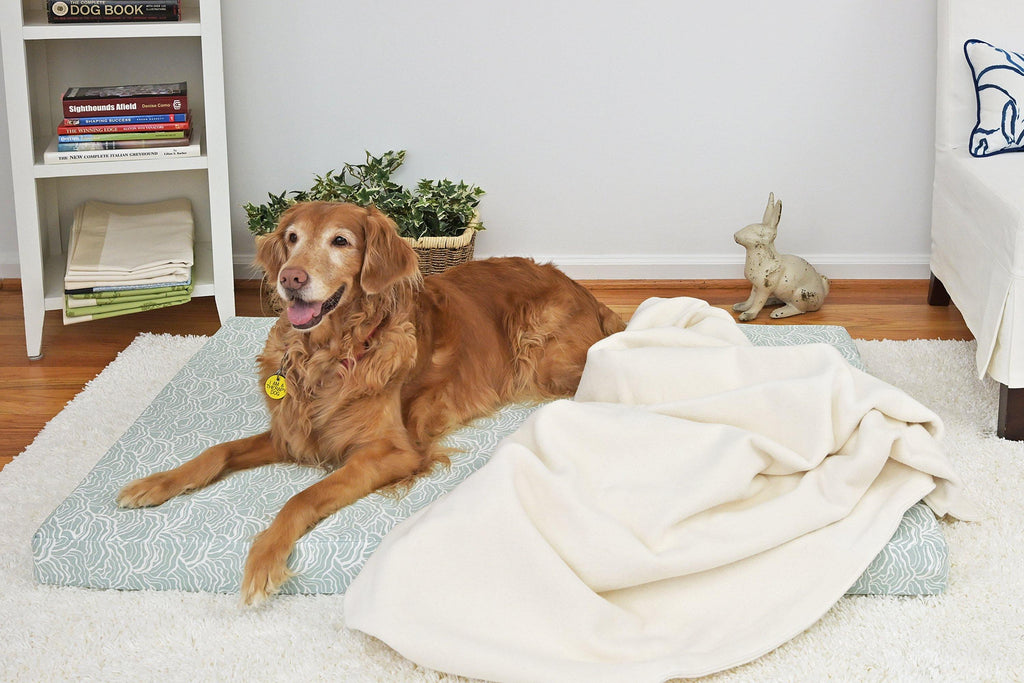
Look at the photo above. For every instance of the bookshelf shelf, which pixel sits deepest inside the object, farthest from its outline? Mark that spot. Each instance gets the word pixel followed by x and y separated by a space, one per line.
pixel 41 170
pixel 41 60
pixel 44 170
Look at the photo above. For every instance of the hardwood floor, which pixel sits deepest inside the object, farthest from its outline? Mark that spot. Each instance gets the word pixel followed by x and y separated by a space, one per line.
pixel 35 391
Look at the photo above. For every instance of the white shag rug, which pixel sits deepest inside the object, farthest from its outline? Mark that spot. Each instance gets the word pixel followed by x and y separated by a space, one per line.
pixel 973 632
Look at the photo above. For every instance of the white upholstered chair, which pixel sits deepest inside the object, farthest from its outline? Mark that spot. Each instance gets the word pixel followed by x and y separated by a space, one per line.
pixel 977 256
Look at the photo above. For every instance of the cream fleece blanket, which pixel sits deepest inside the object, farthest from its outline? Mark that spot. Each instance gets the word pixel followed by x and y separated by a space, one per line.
pixel 138 244
pixel 699 503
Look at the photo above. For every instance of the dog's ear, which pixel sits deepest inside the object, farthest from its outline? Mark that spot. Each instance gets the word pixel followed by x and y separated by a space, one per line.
pixel 270 250
pixel 270 254
pixel 386 257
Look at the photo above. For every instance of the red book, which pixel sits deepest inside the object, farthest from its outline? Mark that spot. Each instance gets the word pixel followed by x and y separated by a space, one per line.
pixel 121 100
pixel 122 128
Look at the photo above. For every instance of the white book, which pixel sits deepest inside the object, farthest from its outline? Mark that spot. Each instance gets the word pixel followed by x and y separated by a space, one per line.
pixel 52 156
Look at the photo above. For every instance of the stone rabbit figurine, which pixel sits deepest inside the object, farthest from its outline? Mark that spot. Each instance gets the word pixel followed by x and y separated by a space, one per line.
pixel 777 278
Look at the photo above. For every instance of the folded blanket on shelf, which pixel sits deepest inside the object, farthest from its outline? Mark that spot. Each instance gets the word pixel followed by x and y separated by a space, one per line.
pixel 143 251
pixel 130 244
pixel 85 313
pixel 75 301
pixel 127 290
pixel 177 278
pixel 700 502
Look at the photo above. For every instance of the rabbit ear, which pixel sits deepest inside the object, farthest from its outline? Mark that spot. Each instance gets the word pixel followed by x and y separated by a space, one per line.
pixel 772 212
pixel 769 210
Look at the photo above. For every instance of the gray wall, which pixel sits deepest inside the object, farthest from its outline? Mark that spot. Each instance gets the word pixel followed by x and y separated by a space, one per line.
pixel 617 139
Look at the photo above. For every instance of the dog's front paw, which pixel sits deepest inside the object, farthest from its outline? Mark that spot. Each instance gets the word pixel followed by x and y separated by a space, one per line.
pixel 152 490
pixel 266 569
pixel 747 316
pixel 741 306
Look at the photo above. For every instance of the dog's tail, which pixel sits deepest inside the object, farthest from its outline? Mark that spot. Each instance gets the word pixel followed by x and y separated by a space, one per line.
pixel 824 286
pixel 611 322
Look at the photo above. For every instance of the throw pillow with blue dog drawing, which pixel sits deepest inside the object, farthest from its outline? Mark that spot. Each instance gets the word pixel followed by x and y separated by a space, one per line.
pixel 999 84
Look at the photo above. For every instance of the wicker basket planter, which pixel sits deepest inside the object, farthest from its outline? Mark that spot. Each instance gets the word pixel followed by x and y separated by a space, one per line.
pixel 437 254
pixel 441 207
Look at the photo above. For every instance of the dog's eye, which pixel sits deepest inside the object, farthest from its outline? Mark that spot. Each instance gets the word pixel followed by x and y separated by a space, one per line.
pixel 340 241
pixel 292 238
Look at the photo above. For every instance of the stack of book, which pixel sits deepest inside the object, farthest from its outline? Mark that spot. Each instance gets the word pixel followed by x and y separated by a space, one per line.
pixel 111 123
pixel 126 258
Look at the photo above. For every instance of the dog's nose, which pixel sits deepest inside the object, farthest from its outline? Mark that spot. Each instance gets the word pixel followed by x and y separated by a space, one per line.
pixel 293 278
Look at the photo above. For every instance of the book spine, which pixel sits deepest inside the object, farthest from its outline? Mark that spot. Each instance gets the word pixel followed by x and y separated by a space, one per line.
pixel 120 145
pixel 103 137
pixel 123 128
pixel 118 120
pixel 161 104
pixel 64 157
pixel 83 11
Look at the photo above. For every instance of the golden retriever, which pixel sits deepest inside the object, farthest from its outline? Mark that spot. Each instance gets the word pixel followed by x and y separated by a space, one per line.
pixel 380 363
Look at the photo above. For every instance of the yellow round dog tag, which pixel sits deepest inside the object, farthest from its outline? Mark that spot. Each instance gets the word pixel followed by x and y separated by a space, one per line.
pixel 276 387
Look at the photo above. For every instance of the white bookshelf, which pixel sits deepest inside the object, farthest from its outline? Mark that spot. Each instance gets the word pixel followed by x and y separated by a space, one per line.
pixel 41 61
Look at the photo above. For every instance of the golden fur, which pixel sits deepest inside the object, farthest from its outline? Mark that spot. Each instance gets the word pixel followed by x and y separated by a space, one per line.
pixel 381 363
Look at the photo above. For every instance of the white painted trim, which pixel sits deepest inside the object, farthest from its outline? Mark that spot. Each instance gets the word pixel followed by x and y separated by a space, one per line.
pixel 730 266
pixel 245 269
pixel 703 266
pixel 10 270
pixel 676 266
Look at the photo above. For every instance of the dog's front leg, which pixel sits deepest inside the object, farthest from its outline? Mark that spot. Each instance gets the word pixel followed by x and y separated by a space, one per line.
pixel 204 469
pixel 368 468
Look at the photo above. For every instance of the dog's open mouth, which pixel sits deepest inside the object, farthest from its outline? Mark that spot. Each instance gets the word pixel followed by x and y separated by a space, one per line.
pixel 306 314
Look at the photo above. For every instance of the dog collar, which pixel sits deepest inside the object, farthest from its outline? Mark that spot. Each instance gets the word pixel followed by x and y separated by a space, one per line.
pixel 348 363
pixel 276 385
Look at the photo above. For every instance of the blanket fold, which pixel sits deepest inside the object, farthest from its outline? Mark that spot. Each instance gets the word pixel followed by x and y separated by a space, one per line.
pixel 698 503
pixel 136 249
pixel 130 244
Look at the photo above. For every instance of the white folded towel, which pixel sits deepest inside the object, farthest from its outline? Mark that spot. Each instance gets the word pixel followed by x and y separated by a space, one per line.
pixel 130 243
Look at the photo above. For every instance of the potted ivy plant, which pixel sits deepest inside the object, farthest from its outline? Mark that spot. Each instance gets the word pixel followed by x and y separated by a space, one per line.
pixel 438 218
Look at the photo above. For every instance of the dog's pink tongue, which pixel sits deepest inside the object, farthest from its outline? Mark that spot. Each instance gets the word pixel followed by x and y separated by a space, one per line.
pixel 301 312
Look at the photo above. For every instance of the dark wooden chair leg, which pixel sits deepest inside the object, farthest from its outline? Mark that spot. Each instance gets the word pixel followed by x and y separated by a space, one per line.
pixel 937 294
pixel 1010 423
pixel 1011 414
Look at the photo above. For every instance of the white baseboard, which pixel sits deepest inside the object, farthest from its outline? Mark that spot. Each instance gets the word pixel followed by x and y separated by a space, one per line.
pixel 10 270
pixel 676 266
pixel 706 266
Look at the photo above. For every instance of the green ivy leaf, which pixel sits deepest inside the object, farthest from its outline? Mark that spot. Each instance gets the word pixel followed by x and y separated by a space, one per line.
pixel 435 208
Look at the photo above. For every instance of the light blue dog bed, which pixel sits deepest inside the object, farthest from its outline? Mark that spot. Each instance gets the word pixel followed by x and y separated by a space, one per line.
pixel 199 541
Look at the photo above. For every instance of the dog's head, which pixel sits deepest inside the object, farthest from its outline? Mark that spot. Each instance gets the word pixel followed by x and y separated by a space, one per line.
pixel 323 255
